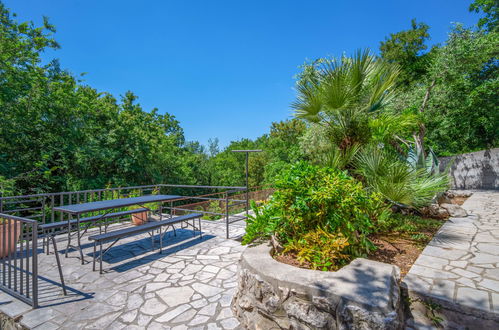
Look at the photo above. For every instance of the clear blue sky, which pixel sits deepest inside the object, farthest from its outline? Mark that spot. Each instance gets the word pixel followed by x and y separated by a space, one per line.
pixel 223 68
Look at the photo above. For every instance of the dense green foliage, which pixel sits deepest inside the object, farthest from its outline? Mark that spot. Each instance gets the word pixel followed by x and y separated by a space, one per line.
pixel 58 133
pixel 310 200
pixel 341 94
pixel 398 181
pixel 490 8
pixel 406 49
pixel 345 101
pixel 456 97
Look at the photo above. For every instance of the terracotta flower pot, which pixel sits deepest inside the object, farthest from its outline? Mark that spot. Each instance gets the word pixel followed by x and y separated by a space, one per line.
pixel 139 218
pixel 10 244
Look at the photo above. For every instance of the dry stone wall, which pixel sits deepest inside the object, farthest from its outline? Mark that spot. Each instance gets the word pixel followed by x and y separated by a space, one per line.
pixel 272 295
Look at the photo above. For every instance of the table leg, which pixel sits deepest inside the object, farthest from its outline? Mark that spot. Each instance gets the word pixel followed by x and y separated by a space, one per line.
pixel 79 238
pixel 48 243
pixel 69 235
pixel 61 276
pixel 160 241
pixel 100 259
pixel 94 255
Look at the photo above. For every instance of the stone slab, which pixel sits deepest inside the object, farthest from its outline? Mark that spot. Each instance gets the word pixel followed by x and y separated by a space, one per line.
pixel 468 247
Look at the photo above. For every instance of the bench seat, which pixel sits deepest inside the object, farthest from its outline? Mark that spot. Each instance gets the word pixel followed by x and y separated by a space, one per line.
pixel 143 228
pixel 148 227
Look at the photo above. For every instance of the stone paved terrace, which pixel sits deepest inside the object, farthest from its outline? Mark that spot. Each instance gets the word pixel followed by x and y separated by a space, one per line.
pixel 189 286
pixel 459 269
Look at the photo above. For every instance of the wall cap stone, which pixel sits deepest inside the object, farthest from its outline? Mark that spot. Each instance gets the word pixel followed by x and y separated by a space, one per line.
pixel 370 285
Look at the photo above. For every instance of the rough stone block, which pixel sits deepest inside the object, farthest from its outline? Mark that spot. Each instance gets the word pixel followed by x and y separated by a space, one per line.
pixel 363 293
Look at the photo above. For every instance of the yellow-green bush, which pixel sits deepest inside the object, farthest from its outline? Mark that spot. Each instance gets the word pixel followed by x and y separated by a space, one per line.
pixel 313 210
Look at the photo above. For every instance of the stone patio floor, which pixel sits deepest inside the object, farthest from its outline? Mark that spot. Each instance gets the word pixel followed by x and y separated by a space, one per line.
pixel 189 286
pixel 460 266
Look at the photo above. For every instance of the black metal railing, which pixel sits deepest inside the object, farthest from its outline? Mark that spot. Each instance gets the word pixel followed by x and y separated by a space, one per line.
pixel 21 215
pixel 40 207
pixel 18 257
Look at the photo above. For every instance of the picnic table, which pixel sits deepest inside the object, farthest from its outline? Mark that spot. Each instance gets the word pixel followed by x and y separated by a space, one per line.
pixel 76 210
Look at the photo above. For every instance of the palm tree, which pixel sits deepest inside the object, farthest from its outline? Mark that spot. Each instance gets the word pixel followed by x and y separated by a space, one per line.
pixel 345 97
pixel 341 94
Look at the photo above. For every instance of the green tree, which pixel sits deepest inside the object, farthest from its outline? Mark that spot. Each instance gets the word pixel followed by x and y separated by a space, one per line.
pixel 407 49
pixel 490 9
pixel 462 113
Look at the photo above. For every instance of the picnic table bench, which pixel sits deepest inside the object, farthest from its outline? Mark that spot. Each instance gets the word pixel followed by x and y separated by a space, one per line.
pixel 116 235
pixel 49 230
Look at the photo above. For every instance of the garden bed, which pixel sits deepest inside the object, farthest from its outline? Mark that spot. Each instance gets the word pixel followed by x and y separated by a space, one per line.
pixel 400 246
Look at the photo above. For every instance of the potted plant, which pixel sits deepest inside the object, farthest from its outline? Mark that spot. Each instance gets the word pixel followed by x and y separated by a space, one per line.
pixel 12 231
pixel 139 218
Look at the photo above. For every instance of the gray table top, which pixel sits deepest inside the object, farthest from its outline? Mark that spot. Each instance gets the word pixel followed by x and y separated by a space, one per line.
pixel 113 203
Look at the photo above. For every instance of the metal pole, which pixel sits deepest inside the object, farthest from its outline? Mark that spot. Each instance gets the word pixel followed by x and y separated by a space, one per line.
pixel 227 214
pixel 247 175
pixel 34 258
pixel 247 186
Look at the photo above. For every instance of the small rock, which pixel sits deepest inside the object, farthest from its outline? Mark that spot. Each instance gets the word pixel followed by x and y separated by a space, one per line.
pixel 454 210
pixel 435 211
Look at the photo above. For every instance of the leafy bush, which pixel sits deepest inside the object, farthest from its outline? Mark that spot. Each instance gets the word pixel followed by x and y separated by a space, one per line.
pixel 310 200
pixel 215 208
pixel 397 180
pixel 320 249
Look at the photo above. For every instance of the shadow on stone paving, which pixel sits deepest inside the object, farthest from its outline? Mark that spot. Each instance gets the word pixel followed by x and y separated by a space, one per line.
pixel 121 252
pixel 50 293
pixel 152 257
pixel 450 239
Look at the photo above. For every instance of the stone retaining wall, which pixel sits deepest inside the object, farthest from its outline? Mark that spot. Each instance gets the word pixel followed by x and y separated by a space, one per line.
pixel 272 295
pixel 475 170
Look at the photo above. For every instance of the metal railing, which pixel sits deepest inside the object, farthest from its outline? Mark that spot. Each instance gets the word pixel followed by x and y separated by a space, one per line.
pixel 21 215
pixel 18 257
pixel 41 206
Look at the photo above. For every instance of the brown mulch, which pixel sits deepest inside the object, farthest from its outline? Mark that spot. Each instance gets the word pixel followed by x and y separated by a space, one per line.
pixel 397 251
pixel 290 259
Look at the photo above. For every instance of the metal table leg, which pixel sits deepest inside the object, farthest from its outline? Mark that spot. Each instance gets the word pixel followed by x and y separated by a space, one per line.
pixel 61 276
pixel 79 238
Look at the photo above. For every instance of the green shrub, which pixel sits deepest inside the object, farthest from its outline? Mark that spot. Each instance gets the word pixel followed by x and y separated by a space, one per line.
pixel 320 249
pixel 215 208
pixel 310 199
pixel 397 180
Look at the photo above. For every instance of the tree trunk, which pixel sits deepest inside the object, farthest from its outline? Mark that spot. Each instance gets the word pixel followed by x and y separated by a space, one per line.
pixel 419 137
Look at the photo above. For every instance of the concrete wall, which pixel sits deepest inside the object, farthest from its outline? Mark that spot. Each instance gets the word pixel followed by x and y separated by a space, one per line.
pixel 475 170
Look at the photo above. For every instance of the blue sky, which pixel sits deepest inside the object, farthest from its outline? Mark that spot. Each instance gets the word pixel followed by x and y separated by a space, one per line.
pixel 224 68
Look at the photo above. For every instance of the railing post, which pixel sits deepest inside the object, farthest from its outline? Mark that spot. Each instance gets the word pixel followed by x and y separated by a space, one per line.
pixel 227 214
pixel 34 258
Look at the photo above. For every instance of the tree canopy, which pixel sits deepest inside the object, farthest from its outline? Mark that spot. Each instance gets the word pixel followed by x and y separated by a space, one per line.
pixel 57 133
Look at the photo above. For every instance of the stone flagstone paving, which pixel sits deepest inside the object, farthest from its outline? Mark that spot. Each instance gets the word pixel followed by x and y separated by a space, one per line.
pixel 461 264
pixel 189 286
